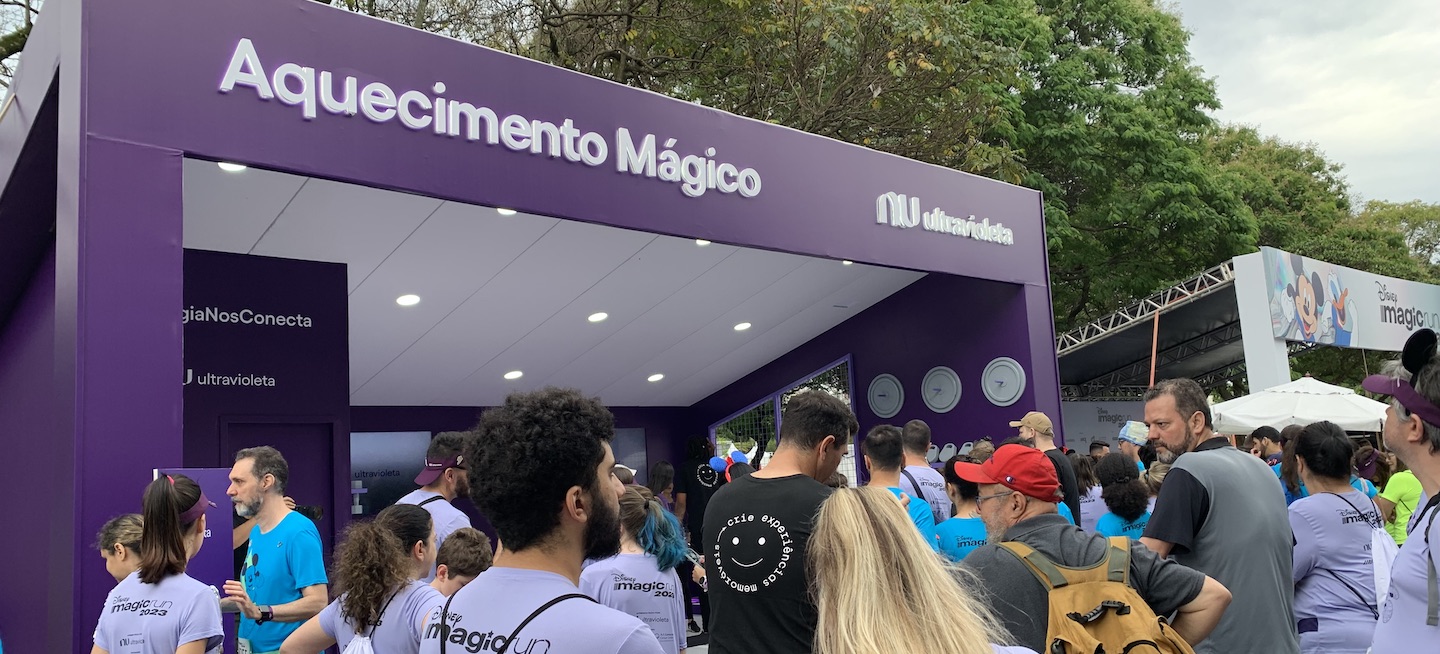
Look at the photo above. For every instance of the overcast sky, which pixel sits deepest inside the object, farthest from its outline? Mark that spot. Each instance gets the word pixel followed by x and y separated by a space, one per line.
pixel 1359 79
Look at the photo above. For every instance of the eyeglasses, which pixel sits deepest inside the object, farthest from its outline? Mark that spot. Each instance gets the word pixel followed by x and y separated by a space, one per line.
pixel 981 499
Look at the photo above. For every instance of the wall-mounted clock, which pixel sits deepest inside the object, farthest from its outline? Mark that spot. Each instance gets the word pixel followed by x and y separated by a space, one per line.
pixel 886 395
pixel 1003 381
pixel 941 389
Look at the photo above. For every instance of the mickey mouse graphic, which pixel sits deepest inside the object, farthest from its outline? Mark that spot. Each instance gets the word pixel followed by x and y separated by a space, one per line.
pixel 1313 321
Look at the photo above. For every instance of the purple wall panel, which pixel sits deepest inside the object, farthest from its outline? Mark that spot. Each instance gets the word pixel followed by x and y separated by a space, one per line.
pixel 118 339
pixel 267 347
pixel 938 320
pixel 28 417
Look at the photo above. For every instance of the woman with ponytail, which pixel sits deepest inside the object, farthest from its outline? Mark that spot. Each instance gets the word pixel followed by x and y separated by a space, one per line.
pixel 641 579
pixel 378 571
pixel 159 608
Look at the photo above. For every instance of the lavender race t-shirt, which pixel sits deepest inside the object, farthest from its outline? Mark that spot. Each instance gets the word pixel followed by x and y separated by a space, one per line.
pixel 1091 508
pixel 1402 627
pixel 634 583
pixel 1332 563
pixel 485 611
pixel 140 618
pixel 400 624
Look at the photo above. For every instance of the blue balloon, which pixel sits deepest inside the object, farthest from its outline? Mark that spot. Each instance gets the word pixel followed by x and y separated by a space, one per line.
pixel 717 463
pixel 739 457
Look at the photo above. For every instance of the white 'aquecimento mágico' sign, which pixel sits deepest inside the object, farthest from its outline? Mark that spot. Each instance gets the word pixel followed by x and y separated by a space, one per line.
pixel 296 85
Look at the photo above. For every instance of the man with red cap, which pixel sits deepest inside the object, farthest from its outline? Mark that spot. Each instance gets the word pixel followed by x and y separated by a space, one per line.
pixel 1018 493
pixel 441 481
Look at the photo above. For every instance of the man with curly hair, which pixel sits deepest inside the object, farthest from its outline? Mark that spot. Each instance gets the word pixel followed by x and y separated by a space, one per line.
pixel 541 470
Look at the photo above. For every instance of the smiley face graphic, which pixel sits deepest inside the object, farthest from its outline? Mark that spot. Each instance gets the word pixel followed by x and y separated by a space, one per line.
pixel 753 551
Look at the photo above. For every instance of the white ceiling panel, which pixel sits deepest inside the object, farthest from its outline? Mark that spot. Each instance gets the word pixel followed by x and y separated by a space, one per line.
pixel 228 212
pixel 698 305
pixel 344 223
pixel 815 319
pixel 661 269
pixel 775 304
pixel 558 268
pixel 457 251
pixel 501 293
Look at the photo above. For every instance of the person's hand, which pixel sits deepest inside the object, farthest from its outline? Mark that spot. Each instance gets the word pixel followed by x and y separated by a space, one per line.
pixel 235 592
pixel 289 503
pixel 697 574
pixel 904 499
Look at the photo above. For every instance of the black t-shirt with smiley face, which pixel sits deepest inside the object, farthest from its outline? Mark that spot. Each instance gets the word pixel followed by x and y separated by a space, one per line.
pixel 756 531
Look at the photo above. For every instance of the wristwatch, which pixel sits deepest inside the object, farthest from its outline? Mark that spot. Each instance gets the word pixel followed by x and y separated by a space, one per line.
pixel 266 615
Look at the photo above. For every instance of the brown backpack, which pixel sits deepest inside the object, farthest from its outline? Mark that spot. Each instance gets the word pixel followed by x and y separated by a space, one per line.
pixel 1094 610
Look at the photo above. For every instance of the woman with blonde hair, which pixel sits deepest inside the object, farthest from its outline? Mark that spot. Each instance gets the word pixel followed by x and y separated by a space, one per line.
pixel 879 587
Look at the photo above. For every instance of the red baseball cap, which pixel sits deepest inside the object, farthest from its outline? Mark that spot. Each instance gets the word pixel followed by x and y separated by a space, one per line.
pixel 1024 470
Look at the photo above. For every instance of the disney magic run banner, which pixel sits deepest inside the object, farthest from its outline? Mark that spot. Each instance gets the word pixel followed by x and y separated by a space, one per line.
pixel 1316 302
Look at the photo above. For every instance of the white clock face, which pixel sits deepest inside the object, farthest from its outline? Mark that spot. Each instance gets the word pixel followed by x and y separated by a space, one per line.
pixel 886 396
pixel 1004 381
pixel 941 389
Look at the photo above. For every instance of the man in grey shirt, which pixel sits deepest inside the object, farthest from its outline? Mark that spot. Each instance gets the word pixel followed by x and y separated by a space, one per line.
pixel 1221 512
pixel 1018 494
pixel 917 477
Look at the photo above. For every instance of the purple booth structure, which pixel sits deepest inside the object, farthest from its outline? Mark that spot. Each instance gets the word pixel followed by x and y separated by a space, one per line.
pixel 391 160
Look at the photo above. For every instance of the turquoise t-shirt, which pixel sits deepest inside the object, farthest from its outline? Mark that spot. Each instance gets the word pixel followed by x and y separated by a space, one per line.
pixel 960 536
pixel 1357 482
pixel 1113 525
pixel 278 565
pixel 921 515
pixel 1065 511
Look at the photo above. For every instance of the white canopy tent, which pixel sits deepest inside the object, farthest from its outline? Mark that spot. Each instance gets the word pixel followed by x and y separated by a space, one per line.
pixel 1299 402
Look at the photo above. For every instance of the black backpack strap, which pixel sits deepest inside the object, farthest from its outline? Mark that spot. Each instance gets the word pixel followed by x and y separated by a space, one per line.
pixel 535 614
pixel 380 617
pixel 437 497
pixel 445 622
pixel 1373 609
pixel 918 490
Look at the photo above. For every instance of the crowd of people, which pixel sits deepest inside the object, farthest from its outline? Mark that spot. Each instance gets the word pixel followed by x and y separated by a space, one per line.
pixel 1294 540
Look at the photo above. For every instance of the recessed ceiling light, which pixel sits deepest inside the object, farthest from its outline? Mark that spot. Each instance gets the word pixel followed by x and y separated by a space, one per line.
pixel 655 377
pixel 847 262
pixel 514 374
pixel 742 326
pixel 230 167
pixel 701 242
pixel 407 300
pixel 505 212
pixel 598 316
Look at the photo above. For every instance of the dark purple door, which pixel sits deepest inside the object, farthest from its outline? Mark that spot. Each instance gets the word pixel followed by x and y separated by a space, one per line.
pixel 308 450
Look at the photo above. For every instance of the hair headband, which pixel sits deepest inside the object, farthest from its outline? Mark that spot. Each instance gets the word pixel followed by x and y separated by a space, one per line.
pixel 193 513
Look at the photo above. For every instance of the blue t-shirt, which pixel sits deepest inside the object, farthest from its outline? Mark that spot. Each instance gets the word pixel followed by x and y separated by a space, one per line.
pixel 922 516
pixel 1113 525
pixel 278 565
pixel 1065 511
pixel 1357 482
pixel 960 536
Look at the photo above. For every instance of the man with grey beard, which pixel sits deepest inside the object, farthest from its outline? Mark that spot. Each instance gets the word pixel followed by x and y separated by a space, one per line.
pixel 1221 512
pixel 283 581
pixel 1019 490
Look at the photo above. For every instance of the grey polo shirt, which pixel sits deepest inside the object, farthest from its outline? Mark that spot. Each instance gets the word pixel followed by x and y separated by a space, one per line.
pixel 1023 604
pixel 1226 517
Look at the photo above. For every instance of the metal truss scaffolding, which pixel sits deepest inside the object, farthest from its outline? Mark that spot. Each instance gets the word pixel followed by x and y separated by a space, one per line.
pixel 1221 277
